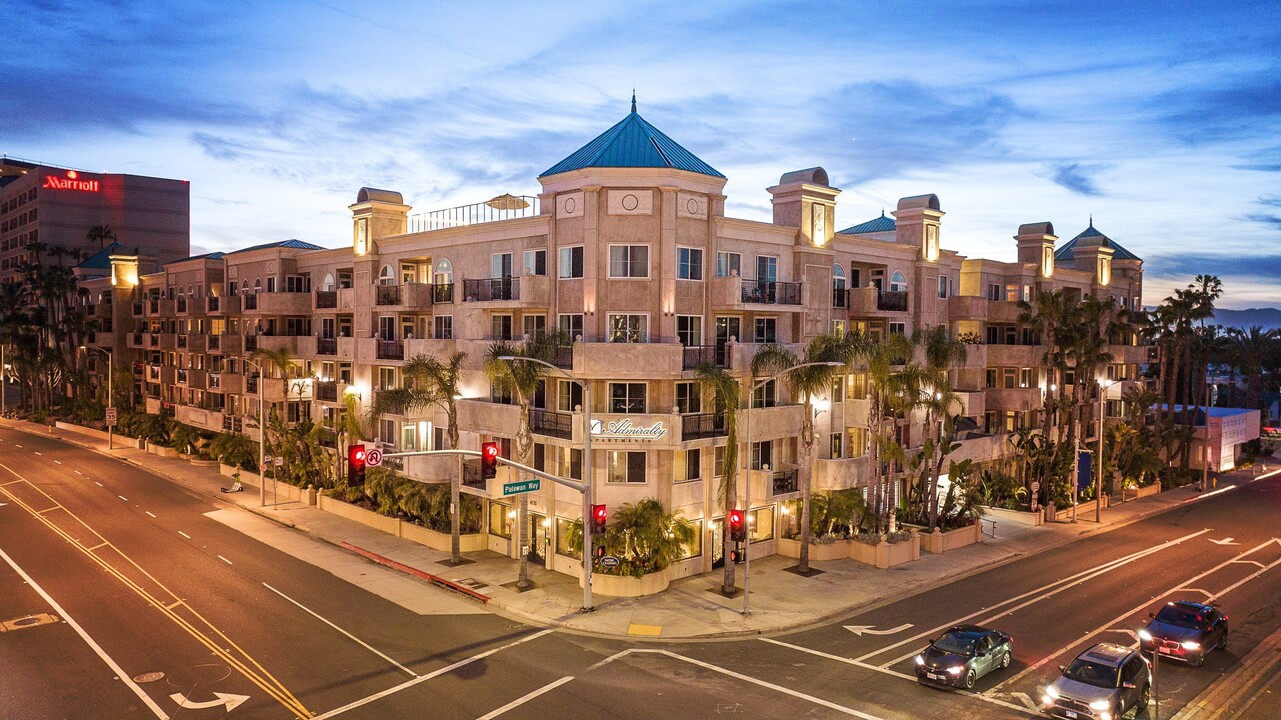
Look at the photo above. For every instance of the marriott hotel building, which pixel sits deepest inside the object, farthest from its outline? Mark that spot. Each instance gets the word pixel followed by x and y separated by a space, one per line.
pixel 627 248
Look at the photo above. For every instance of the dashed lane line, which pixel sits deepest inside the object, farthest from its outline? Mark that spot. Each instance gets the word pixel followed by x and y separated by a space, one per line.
pixel 149 513
pixel 184 534
pixel 353 638
pixel 526 698
pixel 224 559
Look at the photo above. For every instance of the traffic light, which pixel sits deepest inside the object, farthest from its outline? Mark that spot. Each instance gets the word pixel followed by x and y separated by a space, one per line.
pixel 599 515
pixel 737 525
pixel 488 460
pixel 355 465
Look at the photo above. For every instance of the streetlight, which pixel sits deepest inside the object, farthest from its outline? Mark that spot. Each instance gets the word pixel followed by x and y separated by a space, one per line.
pixel 747 500
pixel 1098 473
pixel 587 472
pixel 262 433
pixel 110 395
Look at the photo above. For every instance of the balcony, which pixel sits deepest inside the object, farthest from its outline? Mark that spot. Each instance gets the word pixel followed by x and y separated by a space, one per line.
pixel 200 417
pixel 135 340
pixel 182 376
pixel 230 383
pixel 627 360
pixel 168 341
pixel 213 342
pixel 966 307
pixel 153 373
pixel 181 305
pixel 251 343
pixel 768 292
pixel 215 381
pixel 390 350
pixel 229 304
pixel 326 391
pixel 784 482
pixel 182 342
pixel 251 384
pixel 232 344
pixel 714 355
pixel 698 427
pixel 442 293
pixel 1014 355
pixel 281 303
pixel 387 295
pixel 288 343
pixel 137 309
pixel 841 298
pixel 326 299
pixel 326 346
pixel 249 302
pixel 551 423
pixel 892 301
pixel 1018 399
pixel 233 424
pixel 491 289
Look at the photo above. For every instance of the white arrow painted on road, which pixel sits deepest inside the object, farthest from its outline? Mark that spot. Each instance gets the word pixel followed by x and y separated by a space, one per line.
pixel 228 699
pixel 1224 541
pixel 860 629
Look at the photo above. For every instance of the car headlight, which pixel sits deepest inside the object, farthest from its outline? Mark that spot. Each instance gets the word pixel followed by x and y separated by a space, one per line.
pixel 1046 699
pixel 1051 693
pixel 1099 705
pixel 956 669
pixel 1190 645
pixel 1145 635
pixel 920 659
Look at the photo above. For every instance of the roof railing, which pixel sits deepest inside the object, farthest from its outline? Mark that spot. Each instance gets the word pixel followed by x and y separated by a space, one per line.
pixel 503 207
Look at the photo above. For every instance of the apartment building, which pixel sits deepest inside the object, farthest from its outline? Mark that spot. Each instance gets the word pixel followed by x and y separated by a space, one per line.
pixel 627 249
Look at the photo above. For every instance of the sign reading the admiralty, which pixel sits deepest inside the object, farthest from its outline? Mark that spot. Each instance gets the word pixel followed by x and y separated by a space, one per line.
pixel 625 430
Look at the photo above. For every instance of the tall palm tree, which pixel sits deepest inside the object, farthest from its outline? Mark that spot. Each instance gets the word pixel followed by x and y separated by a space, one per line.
pixel 893 386
pixel 1049 318
pixel 523 379
pixel 725 404
pixel 808 383
pixel 943 353
pixel 101 234
pixel 1249 350
pixel 441 381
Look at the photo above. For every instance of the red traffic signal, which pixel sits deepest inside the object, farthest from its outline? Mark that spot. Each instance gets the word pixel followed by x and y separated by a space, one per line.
pixel 600 514
pixel 737 521
pixel 488 460
pixel 355 465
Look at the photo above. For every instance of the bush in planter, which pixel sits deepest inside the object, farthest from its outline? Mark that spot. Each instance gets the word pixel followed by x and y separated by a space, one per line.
pixel 835 514
pixel 643 535
pixel 891 538
pixel 185 438
pixel 234 450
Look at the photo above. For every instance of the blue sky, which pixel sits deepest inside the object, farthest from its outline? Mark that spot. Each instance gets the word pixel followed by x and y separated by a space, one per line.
pixel 1162 120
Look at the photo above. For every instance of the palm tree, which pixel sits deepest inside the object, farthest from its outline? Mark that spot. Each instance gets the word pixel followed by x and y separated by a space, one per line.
pixel 101 234
pixel 725 404
pixel 441 380
pixel 523 379
pixel 809 380
pixel 1049 318
pixel 943 353
pixel 1249 350
pixel 893 387
pixel 649 536
pixel 233 449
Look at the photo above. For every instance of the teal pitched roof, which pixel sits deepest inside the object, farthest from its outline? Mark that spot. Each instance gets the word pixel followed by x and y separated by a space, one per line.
pixel 633 143
pixel 1067 252
pixel 101 260
pixel 296 244
pixel 876 225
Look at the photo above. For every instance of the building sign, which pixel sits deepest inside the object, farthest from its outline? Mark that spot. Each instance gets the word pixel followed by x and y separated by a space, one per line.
pixel 71 182
pixel 625 430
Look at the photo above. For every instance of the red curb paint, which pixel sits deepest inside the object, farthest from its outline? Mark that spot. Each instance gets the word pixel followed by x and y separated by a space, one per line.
pixel 433 579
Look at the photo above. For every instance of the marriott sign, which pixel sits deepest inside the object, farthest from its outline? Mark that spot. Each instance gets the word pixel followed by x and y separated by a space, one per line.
pixel 71 182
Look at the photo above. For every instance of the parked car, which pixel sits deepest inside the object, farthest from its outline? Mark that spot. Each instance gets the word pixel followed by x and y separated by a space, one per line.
pixel 1104 682
pixel 1185 630
pixel 962 655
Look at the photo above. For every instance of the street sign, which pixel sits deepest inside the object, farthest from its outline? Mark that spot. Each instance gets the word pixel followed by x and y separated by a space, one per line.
pixel 280 461
pixel 373 457
pixel 523 486
pixel 111 417
pixel 610 561
pixel 1084 477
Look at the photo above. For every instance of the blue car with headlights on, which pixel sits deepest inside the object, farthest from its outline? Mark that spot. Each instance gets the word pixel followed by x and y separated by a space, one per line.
pixel 1185 630
pixel 962 655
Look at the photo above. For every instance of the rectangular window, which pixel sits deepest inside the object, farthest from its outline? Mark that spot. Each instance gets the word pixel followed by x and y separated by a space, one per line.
pixel 689 329
pixel 501 519
pixel 443 327
pixel 628 328
pixel 898 328
pixel 993 292
pixel 570 263
pixel 571 324
pixel 535 262
pixel 1012 293
pixel 627 397
pixel 838 328
pixel 271 285
pixel 625 466
pixel 943 286
pixel 500 265
pixel 502 327
pixel 992 378
pixel 1009 378
pixel 689 263
pixel 718 461
pixel 767 268
pixel 386 378
pixel 629 261
pixel 762 454
pixel 534 324
pixel 729 264
pixel 687 465
pixel 838 390
pixel 570 463
pixel 688 399
pixel 993 335
pixel 766 330
pixel 344 373
pixel 1025 377
pixel 765 395
pixel 408 436
pixel 569 395
pixel 835 445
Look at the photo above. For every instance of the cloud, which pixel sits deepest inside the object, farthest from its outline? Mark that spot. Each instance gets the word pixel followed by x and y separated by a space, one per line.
pixel 1265 219
pixel 1270 199
pixel 1225 266
pixel 1243 110
pixel 1076 177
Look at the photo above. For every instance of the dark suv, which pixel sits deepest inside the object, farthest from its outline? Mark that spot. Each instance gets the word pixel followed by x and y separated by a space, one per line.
pixel 1102 683
pixel 1185 631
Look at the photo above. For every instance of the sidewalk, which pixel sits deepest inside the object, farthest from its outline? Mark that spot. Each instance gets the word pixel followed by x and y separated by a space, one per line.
pixel 691 607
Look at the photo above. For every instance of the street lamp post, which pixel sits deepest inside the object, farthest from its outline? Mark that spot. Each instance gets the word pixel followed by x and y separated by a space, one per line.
pixel 262 433
pixel 587 472
pixel 1205 443
pixel 1098 473
pixel 747 499
pixel 110 395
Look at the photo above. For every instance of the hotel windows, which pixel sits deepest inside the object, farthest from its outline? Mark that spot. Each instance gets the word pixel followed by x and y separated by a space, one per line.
pixel 898 283
pixel 627 328
pixel 500 265
pixel 760 524
pixel 762 454
pixel 534 324
pixel 629 261
pixel 1025 377
pixel 535 262
pixel 570 463
pixel 764 396
pixel 688 400
pixel 728 264
pixel 571 325
pixel 689 329
pixel 992 378
pixel 993 292
pixel 838 328
pixel 689 263
pixel 569 395
pixel 625 466
pixel 502 327
pixel 344 373
pixel 835 445
pixel 443 327
pixel 627 397
pixel 570 264
pixel 766 268
pixel 718 461
pixel 687 465
pixel 766 330
pixel 898 328
pixel 386 378
pixel 944 285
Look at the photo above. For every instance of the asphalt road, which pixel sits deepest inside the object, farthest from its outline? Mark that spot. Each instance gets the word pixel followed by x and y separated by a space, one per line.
pixel 115 577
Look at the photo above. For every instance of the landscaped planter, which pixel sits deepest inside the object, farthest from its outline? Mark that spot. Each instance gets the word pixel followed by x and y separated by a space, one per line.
pixel 940 542
pixel 201 462
pixel 360 515
pixel 1013 517
pixel 886 555
pixel 467 542
pixel 1149 490
pixel 470 542
pixel 119 440
pixel 162 451
pixel 818 551
pixel 627 586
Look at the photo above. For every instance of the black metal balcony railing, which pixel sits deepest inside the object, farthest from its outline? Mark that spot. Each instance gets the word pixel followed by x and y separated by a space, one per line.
pixel 487 289
pixel 211 303
pixel 627 335
pixel 551 423
pixel 214 342
pixel 326 346
pixel 695 355
pixel 471 474
pixel 564 356
pixel 892 300
pixel 706 425
pixel 391 350
pixel 250 302
pixel 840 297
pixel 326 299
pixel 767 292
pixel 387 295
pixel 784 482
pixel 327 391
pixel 442 293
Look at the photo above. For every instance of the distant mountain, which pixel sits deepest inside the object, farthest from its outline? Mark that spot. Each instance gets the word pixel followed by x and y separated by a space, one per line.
pixel 1245 319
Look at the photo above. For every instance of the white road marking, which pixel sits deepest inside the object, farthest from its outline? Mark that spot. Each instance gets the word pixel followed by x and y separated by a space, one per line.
pixel 149 513
pixel 95 482
pixel 123 676
pixel 1212 493
pixel 526 698
pixel 184 534
pixel 424 678
pixel 38 453
pixel 16 445
pixel 230 700
pixel 122 497
pixel 1224 541
pixel 355 639
pixel 224 559
pixel 57 462
pixel 860 629
pixel 77 472
pixel 1036 595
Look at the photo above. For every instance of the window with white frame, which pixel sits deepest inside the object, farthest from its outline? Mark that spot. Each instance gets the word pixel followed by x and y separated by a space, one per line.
pixel 386 378
pixel 689 329
pixel 945 284
pixel 443 327
pixel 687 465
pixel 689 263
pixel 535 262
pixel 993 292
pixel 763 454
pixel 718 460
pixel 627 397
pixel 628 328
pixel 570 263
pixel 729 264
pixel 502 327
pixel 688 398
pixel 766 395
pixel 898 328
pixel 898 282
pixel 625 466
pixel 571 324
pixel 766 268
pixel 629 261
pixel 569 395
pixel 766 330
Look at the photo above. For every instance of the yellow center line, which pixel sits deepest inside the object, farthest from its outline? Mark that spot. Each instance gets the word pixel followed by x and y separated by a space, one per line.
pixel 265 680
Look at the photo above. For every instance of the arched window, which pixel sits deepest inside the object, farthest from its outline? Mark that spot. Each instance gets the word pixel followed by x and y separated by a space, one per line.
pixel 387 276
pixel 257 285
pixel 898 283
pixel 444 273
pixel 838 277
pixel 328 283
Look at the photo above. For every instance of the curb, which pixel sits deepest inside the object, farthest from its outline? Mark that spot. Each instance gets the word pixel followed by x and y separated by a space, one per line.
pixel 415 572
pixel 1236 691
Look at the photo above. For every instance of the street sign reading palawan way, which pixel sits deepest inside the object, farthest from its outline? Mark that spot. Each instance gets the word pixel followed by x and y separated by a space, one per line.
pixel 523 486
pixel 624 429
